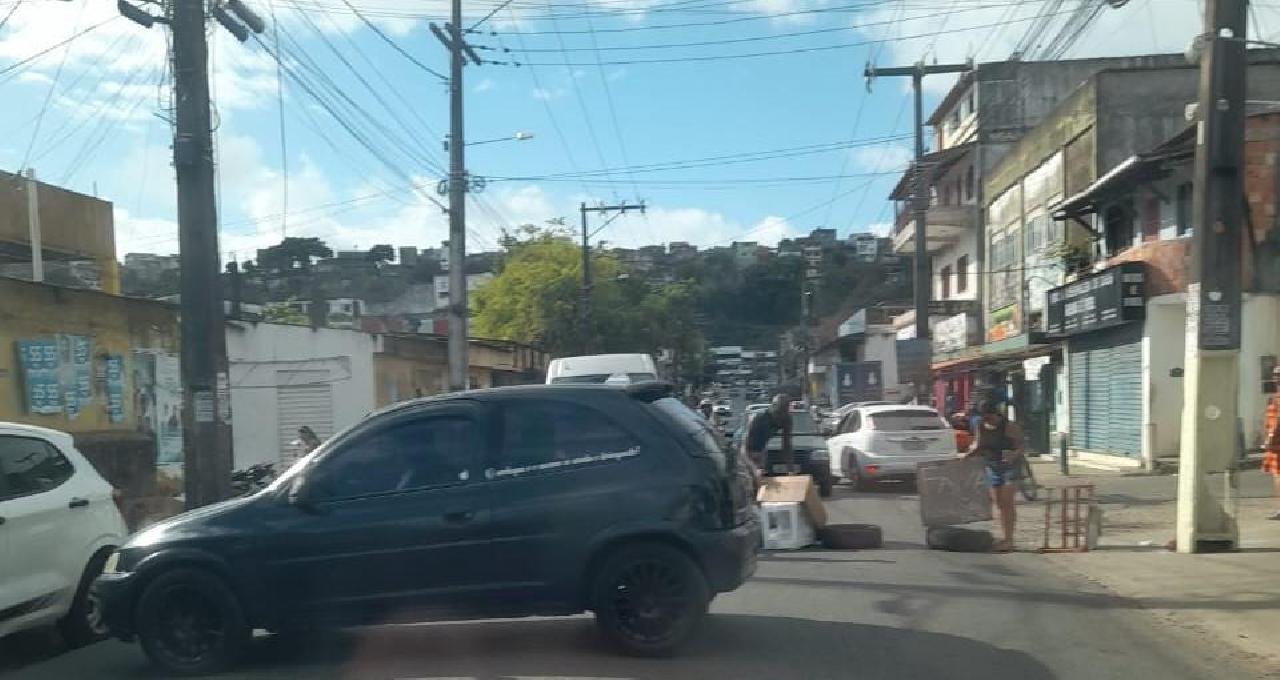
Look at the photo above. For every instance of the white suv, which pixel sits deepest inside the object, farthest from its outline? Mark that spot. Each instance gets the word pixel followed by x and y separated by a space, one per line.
pixel 58 525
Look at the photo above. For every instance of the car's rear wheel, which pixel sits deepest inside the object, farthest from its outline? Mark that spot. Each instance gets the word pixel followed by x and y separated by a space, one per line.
pixel 83 623
pixel 190 623
pixel 648 598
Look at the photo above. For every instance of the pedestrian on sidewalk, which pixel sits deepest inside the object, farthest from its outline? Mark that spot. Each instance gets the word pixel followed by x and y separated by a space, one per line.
pixel 1271 442
pixel 999 442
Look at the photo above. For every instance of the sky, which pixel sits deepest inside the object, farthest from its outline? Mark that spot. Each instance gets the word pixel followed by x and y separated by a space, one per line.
pixel 730 119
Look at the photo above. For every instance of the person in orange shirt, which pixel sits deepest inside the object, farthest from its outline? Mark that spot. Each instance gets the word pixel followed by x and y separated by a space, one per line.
pixel 1271 442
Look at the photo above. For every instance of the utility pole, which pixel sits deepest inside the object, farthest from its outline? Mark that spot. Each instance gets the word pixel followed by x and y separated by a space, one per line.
pixel 922 278
pixel 459 50
pixel 919 191
pixel 206 411
pixel 584 308
pixel 1205 520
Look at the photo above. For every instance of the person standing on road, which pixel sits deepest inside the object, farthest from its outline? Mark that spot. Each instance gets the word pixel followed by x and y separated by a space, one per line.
pixel 762 427
pixel 1271 442
pixel 999 441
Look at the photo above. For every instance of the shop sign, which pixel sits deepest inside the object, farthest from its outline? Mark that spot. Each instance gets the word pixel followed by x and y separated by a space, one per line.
pixel 951 334
pixel 1109 298
pixel 859 381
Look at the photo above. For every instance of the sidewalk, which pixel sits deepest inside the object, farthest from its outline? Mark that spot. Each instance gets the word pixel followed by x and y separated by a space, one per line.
pixel 1233 598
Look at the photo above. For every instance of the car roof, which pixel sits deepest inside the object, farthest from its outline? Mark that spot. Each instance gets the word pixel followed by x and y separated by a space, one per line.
pixel 23 429
pixel 879 408
pixel 648 390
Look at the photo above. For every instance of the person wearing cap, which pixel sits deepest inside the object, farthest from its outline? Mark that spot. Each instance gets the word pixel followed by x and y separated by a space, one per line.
pixel 998 441
pixel 1271 442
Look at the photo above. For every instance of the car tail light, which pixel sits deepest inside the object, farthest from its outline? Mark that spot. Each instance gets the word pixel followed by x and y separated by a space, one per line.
pixel 872 469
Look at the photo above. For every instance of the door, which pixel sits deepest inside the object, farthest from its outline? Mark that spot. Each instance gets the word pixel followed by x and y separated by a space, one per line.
pixel 846 433
pixel 302 398
pixel 40 534
pixel 1106 391
pixel 393 525
pixel 565 472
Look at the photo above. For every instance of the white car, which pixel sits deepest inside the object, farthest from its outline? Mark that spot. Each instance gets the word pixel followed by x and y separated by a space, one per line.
pixel 886 442
pixel 58 526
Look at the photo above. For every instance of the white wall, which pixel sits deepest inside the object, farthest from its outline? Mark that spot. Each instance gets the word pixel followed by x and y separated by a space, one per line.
pixel 947 257
pixel 257 352
pixel 881 345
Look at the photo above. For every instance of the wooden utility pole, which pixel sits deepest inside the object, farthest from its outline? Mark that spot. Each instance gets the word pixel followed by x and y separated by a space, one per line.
pixel 922 279
pixel 1206 520
pixel 206 407
pixel 584 308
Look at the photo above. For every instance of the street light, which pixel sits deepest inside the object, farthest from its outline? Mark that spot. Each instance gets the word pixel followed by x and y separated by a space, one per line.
pixel 517 137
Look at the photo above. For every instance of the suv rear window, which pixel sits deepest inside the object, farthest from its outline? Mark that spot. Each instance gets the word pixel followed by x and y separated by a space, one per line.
pixel 691 424
pixel 600 378
pixel 900 421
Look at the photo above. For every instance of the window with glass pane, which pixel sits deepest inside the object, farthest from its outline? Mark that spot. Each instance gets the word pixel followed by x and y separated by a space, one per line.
pixel 543 432
pixel 30 466
pixel 409 454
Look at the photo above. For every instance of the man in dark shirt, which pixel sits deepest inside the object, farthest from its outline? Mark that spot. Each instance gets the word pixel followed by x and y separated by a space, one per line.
pixel 762 427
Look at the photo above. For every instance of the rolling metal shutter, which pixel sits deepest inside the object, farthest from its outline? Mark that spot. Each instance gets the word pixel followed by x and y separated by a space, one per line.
pixel 303 398
pixel 1106 391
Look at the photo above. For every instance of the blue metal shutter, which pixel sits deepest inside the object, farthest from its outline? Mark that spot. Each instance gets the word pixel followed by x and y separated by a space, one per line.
pixel 1106 391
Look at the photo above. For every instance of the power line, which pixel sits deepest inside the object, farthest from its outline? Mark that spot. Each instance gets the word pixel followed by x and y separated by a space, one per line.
pixel 387 39
pixel 489 16
pixel 284 146
pixel 577 92
pixel 80 34
pixel 791 51
pixel 613 112
pixel 9 15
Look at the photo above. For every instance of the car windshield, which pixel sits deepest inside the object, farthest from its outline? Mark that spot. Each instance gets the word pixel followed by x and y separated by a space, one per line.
pixel 904 420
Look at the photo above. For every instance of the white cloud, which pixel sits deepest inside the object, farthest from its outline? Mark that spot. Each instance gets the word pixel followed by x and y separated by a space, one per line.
pixel 547 94
pixel 484 85
pixel 881 158
pixel 698 226
pixel 877 228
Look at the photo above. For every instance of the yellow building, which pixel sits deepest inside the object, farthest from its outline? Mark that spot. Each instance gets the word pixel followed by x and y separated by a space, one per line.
pixel 77 235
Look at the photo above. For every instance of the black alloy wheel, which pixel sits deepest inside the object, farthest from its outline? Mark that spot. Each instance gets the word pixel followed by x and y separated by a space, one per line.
pixel 648 598
pixel 190 623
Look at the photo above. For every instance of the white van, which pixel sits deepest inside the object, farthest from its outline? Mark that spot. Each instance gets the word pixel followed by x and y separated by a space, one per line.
pixel 601 368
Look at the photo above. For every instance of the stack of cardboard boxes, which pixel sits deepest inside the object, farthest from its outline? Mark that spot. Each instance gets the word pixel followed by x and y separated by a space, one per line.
pixel 790 512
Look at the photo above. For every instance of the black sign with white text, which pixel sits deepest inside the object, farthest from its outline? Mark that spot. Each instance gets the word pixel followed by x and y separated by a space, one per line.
pixel 1109 298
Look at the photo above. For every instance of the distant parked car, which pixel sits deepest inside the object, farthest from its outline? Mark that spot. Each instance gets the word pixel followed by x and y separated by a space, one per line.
pixel 614 369
pixel 886 442
pixel 832 419
pixel 58 524
pixel 533 500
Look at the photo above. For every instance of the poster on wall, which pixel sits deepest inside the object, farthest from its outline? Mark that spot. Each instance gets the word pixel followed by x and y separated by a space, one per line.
pixel 74 377
pixel 168 409
pixel 114 379
pixel 38 360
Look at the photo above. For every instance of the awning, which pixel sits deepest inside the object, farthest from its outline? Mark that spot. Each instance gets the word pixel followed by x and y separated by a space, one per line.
pixel 1121 179
pixel 997 361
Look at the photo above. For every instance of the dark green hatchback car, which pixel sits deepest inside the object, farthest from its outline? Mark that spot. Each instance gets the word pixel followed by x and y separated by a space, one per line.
pixel 547 500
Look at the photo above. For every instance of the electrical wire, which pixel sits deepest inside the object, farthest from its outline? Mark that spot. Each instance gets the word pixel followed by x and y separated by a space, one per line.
pixel 577 92
pixel 387 39
pixel 15 66
pixel 9 15
pixel 608 95
pixel 284 145
pixel 48 95
pixel 792 51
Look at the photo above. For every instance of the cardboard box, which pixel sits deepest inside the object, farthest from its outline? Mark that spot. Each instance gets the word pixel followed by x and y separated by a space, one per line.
pixel 953 492
pixel 785 526
pixel 794 489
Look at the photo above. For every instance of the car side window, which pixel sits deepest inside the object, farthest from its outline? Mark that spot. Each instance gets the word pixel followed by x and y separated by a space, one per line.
pixel 30 466
pixel 408 454
pixel 542 436
pixel 852 423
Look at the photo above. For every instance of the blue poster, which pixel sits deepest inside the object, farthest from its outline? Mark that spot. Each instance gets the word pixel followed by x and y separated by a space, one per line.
pixel 39 362
pixel 81 350
pixel 115 388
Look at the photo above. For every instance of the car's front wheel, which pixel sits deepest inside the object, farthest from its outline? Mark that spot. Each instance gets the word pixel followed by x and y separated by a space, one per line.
pixel 83 623
pixel 190 623
pixel 648 598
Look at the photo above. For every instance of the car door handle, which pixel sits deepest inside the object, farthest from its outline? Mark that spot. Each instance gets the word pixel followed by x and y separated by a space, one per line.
pixel 78 503
pixel 459 516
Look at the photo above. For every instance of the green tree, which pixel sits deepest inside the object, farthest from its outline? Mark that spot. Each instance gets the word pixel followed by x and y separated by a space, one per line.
pixel 381 253
pixel 293 251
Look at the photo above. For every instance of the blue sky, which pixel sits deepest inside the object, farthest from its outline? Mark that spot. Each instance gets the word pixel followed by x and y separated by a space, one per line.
pixel 90 115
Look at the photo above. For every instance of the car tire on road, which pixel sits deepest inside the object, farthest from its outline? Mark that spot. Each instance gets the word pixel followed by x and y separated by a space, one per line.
pixel 648 598
pixel 959 539
pixel 190 623
pixel 83 624
pixel 850 536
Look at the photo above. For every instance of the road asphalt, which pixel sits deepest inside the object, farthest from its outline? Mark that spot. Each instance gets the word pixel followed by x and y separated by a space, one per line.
pixel 899 612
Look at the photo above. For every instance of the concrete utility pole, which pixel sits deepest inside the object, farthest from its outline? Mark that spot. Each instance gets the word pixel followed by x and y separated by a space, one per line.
pixel 33 227
pixel 459 50
pixel 585 305
pixel 206 407
pixel 920 190
pixel 1209 413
